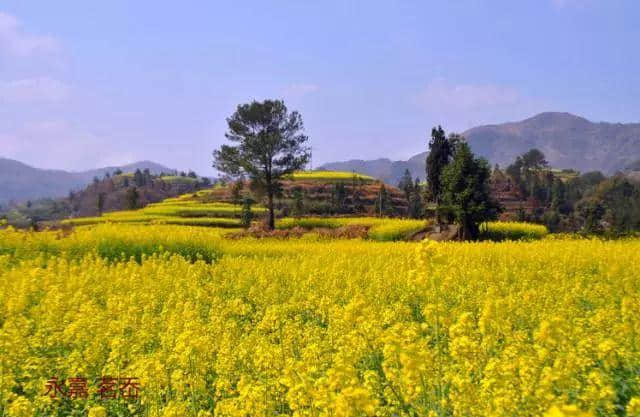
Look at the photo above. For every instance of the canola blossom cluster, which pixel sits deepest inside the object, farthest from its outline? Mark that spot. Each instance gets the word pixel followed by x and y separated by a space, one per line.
pixel 301 327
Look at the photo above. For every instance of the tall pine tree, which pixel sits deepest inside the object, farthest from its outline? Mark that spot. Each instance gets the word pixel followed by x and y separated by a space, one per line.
pixel 440 151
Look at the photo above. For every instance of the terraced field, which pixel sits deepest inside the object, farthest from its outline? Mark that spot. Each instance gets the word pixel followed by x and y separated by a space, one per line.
pixel 331 176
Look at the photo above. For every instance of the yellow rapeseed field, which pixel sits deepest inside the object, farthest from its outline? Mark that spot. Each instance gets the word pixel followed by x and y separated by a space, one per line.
pixel 308 327
pixel 330 176
pixel 512 231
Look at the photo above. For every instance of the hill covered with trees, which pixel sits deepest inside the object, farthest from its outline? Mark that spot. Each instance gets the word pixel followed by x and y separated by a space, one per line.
pixel 565 200
pixel 568 141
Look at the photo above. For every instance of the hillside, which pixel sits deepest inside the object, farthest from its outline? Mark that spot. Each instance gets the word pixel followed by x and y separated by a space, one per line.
pixel 114 191
pixel 323 193
pixel 305 193
pixel 568 141
pixel 21 182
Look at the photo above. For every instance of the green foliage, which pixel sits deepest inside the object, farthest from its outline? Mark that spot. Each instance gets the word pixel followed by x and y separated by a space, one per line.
pixel 466 193
pixel 31 213
pixel 247 215
pixel 269 145
pixel 592 178
pixel 412 194
pixel 416 207
pixel 589 202
pixel 406 184
pixel 356 193
pixel 531 175
pixel 534 159
pixel 298 201
pixel 339 198
pixel 614 205
pixel 138 178
pixel 100 202
pixel 132 196
pixel 236 191
pixel 18 219
pixel 440 152
pixel 384 204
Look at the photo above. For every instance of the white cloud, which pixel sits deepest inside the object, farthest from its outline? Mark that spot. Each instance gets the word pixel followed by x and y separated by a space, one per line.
pixel 301 89
pixel 15 42
pixel 461 106
pixel 33 90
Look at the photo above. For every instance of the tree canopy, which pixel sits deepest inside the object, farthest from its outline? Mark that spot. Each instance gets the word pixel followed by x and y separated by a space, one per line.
pixel 439 155
pixel 269 144
pixel 466 192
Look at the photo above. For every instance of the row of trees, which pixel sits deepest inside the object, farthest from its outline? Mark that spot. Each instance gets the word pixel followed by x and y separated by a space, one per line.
pixel 144 177
pixel 413 193
pixel 567 201
pixel 268 143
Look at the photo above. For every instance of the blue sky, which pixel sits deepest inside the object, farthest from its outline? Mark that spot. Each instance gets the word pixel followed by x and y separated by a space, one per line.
pixel 86 84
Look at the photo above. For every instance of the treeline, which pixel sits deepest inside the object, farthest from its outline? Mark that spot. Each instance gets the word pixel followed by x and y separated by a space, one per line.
pixel 462 189
pixel 566 201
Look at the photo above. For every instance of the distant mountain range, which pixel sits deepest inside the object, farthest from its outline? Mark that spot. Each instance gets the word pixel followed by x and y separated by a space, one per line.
pixel 384 169
pixel 568 141
pixel 20 182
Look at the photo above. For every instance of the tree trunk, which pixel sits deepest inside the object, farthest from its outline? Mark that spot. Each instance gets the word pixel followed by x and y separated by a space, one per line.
pixel 468 230
pixel 272 222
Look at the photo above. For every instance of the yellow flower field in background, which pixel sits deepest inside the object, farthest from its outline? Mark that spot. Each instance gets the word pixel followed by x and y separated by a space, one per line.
pixel 173 211
pixel 259 327
pixel 498 231
pixel 330 176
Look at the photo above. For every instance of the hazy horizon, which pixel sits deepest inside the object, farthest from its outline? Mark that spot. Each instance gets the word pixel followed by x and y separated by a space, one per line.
pixel 90 85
